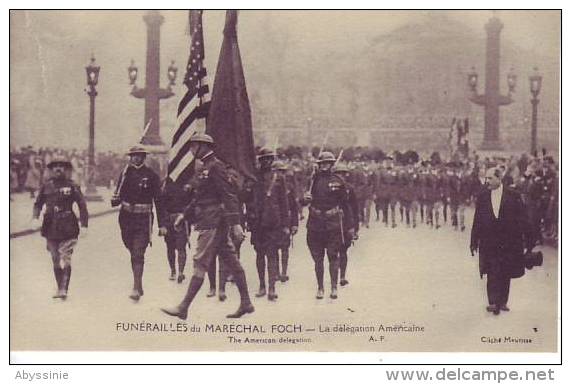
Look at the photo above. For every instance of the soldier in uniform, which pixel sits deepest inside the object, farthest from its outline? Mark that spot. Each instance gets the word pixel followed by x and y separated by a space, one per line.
pixel 138 188
pixel 174 197
pixel 283 246
pixel 327 199
pixel 382 194
pixel 60 226
pixel 392 192
pixel 350 228
pixel 268 219
pixel 215 212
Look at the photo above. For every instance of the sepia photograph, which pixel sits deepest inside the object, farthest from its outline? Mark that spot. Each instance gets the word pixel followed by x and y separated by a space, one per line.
pixel 285 181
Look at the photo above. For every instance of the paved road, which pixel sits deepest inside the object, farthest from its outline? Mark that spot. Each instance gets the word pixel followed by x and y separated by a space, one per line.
pixel 421 277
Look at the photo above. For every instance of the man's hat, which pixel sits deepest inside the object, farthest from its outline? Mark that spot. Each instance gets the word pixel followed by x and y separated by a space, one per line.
pixel 342 167
pixel 59 160
pixel 201 138
pixel 326 157
pixel 137 149
pixel 266 152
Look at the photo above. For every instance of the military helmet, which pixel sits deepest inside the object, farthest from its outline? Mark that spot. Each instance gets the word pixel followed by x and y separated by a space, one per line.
pixel 201 138
pixel 59 160
pixel 266 152
pixel 280 165
pixel 325 157
pixel 137 149
pixel 342 167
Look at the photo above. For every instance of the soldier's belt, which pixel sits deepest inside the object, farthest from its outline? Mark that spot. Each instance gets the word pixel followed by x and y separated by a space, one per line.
pixel 329 212
pixel 136 208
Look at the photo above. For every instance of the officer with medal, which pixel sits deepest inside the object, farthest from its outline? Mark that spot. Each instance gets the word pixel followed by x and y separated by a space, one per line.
pixel 137 189
pixel 327 200
pixel 60 226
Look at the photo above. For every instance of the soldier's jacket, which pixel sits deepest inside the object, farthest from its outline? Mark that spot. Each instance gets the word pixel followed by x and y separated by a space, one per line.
pixel 293 202
pixel 60 222
pixel 267 207
pixel 465 194
pixel 453 189
pixel 174 198
pixel 328 207
pixel 141 186
pixel 351 210
pixel 215 199
pixel 362 184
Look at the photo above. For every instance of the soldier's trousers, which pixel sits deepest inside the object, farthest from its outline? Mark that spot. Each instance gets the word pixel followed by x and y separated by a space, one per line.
pixel 176 242
pixel 343 257
pixel 392 205
pixel 266 242
pixel 461 215
pixel 135 233
pixel 365 210
pixel 454 214
pixel 413 211
pixel 61 251
pixel 319 243
pixel 382 205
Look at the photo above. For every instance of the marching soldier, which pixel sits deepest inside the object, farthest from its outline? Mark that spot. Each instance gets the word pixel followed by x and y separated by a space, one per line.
pixel 283 246
pixel 350 228
pixel 327 199
pixel 268 219
pixel 60 226
pixel 174 197
pixel 382 194
pixel 215 212
pixel 137 189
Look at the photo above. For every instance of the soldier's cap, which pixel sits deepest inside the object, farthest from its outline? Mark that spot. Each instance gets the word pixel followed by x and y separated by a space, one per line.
pixel 266 152
pixel 342 167
pixel 201 138
pixel 280 165
pixel 137 149
pixel 326 157
pixel 59 160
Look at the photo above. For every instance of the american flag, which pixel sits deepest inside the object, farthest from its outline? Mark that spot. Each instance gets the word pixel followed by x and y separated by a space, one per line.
pixel 194 105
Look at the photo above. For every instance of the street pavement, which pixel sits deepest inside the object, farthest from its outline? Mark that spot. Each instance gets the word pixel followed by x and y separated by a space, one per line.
pixel 398 277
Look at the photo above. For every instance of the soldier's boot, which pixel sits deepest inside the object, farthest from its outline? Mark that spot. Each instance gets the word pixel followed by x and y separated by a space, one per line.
pixel 319 271
pixel 343 268
pixel 57 273
pixel 221 285
pixel 171 259
pixel 212 278
pixel 181 310
pixel 261 267
pixel 181 265
pixel 273 272
pixel 445 213
pixel 245 302
pixel 421 215
pixel 66 274
pixel 401 209
pixel 436 219
pixel 285 259
pixel 333 273
pixel 137 291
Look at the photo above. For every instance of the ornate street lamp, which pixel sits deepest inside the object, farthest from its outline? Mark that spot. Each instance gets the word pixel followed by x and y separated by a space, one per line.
pixel 473 79
pixel 132 71
pixel 512 79
pixel 92 73
pixel 535 80
pixel 171 73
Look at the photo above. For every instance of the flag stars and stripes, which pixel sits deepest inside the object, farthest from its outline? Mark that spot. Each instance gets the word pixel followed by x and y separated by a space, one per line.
pixel 193 105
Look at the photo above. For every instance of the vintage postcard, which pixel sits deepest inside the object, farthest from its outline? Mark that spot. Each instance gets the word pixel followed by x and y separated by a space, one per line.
pixel 293 181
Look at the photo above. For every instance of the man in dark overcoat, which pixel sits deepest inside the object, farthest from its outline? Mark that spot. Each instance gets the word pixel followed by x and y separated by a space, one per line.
pixel 500 233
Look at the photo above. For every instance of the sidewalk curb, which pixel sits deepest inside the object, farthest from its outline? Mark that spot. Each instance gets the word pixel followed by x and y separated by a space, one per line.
pixel 27 232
